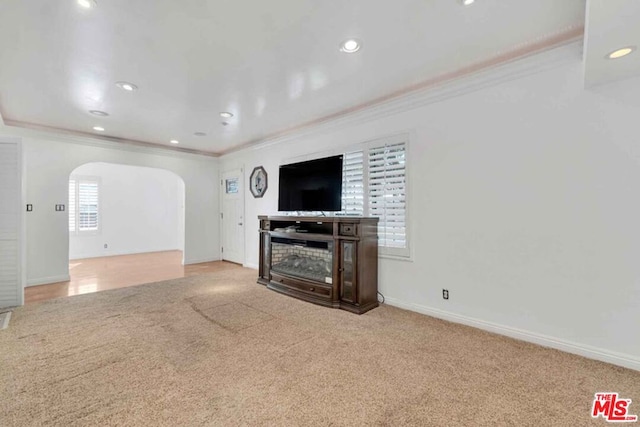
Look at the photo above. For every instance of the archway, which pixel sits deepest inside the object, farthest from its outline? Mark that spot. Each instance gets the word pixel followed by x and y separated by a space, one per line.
pixel 118 210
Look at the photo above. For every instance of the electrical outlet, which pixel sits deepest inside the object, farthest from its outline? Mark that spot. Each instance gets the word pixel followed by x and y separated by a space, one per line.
pixel 106 246
pixel 445 294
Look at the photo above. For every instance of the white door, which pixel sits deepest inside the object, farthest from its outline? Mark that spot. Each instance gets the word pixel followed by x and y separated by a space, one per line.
pixel 11 261
pixel 232 216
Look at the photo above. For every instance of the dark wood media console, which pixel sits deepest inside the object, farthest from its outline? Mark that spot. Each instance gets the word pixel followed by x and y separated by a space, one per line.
pixel 331 261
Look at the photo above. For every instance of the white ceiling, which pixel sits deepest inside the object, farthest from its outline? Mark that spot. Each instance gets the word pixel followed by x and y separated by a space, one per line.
pixel 275 64
pixel 611 25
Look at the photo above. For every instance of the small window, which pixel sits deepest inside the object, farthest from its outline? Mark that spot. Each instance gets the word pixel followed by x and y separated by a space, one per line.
pixel 231 185
pixel 84 214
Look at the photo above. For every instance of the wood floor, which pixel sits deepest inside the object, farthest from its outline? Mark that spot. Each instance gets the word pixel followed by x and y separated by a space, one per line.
pixel 99 274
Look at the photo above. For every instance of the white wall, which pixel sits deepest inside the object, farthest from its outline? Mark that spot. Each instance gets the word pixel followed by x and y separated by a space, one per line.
pixel 140 211
pixel 49 160
pixel 525 199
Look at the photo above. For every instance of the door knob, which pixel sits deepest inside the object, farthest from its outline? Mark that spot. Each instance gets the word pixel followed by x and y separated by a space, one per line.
pixel 239 223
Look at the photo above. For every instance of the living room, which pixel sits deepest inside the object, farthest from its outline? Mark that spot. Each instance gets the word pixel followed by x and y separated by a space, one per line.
pixel 521 202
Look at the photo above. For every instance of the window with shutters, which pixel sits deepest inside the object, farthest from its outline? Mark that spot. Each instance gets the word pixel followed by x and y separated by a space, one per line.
pixel 353 183
pixel 84 207
pixel 375 184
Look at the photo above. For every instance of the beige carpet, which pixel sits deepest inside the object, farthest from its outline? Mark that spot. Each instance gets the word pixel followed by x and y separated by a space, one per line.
pixel 220 350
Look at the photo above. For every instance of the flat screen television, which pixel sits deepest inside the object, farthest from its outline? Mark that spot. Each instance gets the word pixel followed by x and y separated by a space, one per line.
pixel 315 185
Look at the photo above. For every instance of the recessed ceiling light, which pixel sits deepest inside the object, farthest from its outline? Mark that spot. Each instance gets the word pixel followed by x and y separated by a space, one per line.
pixel 200 134
pixel 98 113
pixel 226 114
pixel 174 141
pixel 350 46
pixel 467 2
pixel 129 87
pixel 621 52
pixel 87 4
pixel 98 128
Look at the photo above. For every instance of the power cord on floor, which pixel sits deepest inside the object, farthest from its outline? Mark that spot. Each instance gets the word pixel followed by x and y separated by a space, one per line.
pixel 380 296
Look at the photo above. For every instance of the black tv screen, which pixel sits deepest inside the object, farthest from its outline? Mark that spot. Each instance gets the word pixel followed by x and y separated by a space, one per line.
pixel 315 185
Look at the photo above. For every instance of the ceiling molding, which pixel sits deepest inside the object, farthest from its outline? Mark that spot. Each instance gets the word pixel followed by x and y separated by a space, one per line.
pixel 85 138
pixel 542 54
pixel 28 130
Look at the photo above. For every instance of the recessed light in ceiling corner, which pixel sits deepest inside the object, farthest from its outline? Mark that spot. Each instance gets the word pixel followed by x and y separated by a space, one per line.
pixel 350 46
pixel 98 128
pixel 87 4
pixel 467 2
pixel 619 53
pixel 226 115
pixel 99 113
pixel 200 134
pixel 129 87
pixel 174 141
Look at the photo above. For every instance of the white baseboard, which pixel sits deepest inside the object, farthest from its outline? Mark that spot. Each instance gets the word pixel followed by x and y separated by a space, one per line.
pixel 109 252
pixel 624 360
pixel 250 265
pixel 47 280
pixel 198 261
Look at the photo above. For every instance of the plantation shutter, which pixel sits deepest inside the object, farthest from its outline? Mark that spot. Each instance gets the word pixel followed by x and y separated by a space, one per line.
pixel 387 193
pixel 72 205
pixel 87 206
pixel 353 183
pixel 11 279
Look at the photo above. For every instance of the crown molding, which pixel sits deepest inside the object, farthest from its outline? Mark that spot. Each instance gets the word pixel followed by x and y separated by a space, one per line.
pixel 542 54
pixel 560 49
pixel 29 130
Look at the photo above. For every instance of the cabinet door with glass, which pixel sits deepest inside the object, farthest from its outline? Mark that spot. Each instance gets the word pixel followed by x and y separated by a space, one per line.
pixel 264 267
pixel 348 275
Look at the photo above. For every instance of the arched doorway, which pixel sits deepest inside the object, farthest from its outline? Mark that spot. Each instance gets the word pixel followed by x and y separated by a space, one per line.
pixel 116 210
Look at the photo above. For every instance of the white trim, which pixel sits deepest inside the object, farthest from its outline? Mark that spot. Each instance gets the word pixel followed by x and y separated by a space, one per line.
pixel 407 258
pixel 537 62
pixel 22 219
pixel 109 253
pixel 21 129
pixel 48 280
pixel 619 359
pixel 199 261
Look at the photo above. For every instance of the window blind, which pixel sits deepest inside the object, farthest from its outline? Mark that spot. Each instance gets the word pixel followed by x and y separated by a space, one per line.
pixel 87 206
pixel 353 183
pixel 83 205
pixel 387 193
pixel 10 224
pixel 374 183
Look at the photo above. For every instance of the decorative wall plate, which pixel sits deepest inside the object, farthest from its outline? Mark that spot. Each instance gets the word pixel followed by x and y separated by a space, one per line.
pixel 258 182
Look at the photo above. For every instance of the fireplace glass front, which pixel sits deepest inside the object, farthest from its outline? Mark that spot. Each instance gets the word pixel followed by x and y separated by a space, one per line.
pixel 307 259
